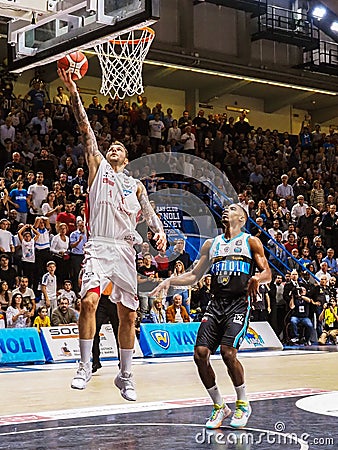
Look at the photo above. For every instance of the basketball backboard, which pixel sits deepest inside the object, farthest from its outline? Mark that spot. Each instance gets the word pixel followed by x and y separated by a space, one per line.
pixel 44 30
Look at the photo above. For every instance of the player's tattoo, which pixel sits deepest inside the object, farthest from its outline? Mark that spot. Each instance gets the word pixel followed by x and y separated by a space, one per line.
pixel 89 139
pixel 148 212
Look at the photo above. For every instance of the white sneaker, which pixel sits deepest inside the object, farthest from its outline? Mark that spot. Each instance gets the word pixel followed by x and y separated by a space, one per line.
pixel 241 415
pixel 126 385
pixel 83 375
pixel 218 414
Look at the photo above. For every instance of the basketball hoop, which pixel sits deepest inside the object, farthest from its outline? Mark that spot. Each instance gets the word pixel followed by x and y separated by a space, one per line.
pixel 121 60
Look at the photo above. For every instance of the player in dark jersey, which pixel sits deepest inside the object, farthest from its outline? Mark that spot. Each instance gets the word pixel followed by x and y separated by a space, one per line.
pixel 231 259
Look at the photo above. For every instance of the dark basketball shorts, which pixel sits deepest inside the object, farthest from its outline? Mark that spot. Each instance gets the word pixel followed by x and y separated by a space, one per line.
pixel 224 323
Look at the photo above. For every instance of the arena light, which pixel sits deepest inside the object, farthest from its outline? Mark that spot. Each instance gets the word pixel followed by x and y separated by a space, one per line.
pixel 334 27
pixel 319 12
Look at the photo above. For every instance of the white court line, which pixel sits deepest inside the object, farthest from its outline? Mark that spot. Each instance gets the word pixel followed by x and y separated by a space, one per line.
pixel 146 406
pixel 287 437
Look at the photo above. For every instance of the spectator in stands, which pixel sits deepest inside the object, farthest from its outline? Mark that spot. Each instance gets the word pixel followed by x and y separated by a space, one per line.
pixel 7 131
pixel 37 193
pixel 317 195
pixel 184 291
pixel 180 254
pixel 300 306
pixel 329 316
pixel 176 313
pixel 5 296
pixel 59 249
pixel 63 314
pixel 61 98
pixel 329 226
pixel 291 243
pixel 162 262
pixel 27 294
pixel 275 229
pixel 77 240
pixel 189 141
pixel 19 198
pixel 28 236
pixel 67 291
pixel 80 180
pixel 332 265
pixel 95 104
pixel 261 308
pixel 42 319
pixel 306 223
pixel 51 209
pixel 298 209
pixel 6 239
pixel 7 272
pixel 317 245
pixel 36 96
pixel 323 271
pixel 305 256
pixel 67 218
pixel 49 287
pixel 157 312
pixel 147 278
pixel 17 315
pixel 17 168
pixel 321 294
pixel 284 190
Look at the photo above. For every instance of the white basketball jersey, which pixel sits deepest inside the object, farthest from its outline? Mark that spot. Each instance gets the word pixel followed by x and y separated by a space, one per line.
pixel 113 205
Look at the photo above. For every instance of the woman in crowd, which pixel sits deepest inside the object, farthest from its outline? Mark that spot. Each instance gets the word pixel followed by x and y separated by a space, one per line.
pixel 184 291
pixel 317 195
pixel 59 248
pixel 5 296
pixel 51 209
pixel 17 316
pixel 157 312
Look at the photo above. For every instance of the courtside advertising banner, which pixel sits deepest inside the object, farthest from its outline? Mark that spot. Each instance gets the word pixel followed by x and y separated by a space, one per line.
pixel 20 345
pixel 63 342
pixel 168 339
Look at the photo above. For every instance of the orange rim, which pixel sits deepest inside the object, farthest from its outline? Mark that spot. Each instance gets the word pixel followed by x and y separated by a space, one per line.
pixel 148 38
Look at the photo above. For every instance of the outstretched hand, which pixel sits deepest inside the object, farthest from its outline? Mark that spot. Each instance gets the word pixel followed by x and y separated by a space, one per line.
pixel 162 288
pixel 66 77
pixel 161 241
pixel 253 287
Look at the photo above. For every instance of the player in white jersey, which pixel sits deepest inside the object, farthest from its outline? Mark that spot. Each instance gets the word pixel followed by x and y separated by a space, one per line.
pixel 231 258
pixel 115 200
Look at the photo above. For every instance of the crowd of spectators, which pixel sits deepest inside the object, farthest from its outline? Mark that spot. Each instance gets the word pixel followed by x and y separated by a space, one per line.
pixel 288 185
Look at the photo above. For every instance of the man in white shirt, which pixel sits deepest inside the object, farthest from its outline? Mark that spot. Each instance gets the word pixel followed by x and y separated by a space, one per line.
pixel 189 141
pixel 7 131
pixel 6 237
pixel 298 209
pixel 37 192
pixel 284 190
pixel 156 126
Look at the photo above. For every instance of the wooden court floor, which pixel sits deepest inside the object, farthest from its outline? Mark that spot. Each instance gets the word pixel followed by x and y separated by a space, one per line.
pixel 292 393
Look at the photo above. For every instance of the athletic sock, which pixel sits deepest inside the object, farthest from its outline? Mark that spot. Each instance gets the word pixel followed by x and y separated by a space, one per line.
pixel 86 346
pixel 241 393
pixel 215 395
pixel 126 357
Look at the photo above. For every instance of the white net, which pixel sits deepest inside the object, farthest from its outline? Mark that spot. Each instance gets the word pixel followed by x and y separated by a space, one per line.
pixel 121 61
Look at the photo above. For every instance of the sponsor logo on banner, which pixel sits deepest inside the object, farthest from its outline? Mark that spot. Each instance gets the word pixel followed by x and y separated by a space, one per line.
pixel 252 337
pixel 161 337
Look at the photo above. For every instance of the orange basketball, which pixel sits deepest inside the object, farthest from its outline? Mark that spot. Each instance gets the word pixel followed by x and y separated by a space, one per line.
pixel 76 63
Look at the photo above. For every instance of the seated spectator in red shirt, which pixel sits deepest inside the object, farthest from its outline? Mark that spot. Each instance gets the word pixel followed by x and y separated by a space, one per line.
pixel 176 313
pixel 162 261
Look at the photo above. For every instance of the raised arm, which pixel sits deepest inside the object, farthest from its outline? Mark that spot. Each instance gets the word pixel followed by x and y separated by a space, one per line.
pixel 151 218
pixel 92 153
pixel 188 278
